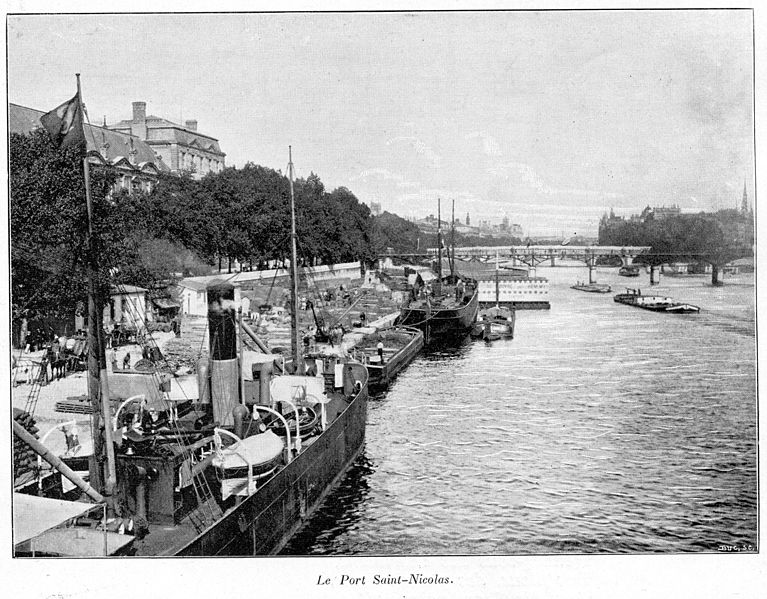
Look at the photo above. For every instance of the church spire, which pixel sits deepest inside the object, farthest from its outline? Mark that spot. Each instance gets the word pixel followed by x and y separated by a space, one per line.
pixel 744 202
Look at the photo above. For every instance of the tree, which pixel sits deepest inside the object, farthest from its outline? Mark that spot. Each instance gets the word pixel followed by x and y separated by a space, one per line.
pixel 49 225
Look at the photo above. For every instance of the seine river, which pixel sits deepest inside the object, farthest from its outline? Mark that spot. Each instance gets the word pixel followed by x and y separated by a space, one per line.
pixel 599 428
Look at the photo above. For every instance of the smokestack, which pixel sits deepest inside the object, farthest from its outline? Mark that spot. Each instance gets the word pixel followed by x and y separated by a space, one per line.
pixel 139 112
pixel 222 322
pixel 224 379
pixel 191 125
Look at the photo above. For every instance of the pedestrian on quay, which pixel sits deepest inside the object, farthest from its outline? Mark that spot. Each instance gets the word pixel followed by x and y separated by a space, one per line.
pixel 380 348
pixel 126 361
pixel 113 358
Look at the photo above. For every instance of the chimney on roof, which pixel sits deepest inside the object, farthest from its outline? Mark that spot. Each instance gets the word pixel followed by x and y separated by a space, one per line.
pixel 139 112
pixel 138 125
pixel 191 125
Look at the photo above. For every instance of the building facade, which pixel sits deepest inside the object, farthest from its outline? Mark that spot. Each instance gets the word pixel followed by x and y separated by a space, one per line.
pixel 181 148
pixel 666 211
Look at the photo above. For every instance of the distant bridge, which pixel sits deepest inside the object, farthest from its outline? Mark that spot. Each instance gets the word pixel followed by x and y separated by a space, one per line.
pixel 533 255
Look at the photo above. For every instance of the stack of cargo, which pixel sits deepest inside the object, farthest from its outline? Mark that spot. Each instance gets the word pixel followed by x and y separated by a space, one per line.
pixel 24 458
pixel 186 350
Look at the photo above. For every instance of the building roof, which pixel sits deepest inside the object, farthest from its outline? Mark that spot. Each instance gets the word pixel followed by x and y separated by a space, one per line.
pixel 111 147
pixel 126 289
pixel 748 261
pixel 202 283
pixel 178 133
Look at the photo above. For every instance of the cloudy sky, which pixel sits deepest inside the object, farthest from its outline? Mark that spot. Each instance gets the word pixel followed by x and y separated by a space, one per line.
pixel 549 118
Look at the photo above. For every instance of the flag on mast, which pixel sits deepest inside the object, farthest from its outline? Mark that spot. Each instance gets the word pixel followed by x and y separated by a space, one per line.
pixel 65 123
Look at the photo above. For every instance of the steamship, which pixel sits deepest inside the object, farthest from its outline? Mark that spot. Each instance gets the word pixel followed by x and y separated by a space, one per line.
pixel 236 468
pixel 444 312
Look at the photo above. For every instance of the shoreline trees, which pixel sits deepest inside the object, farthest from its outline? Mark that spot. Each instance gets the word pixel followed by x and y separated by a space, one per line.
pixel 184 227
pixel 716 238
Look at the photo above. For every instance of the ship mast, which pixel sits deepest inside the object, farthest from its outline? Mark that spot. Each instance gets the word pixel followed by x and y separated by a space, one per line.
pixel 497 294
pixel 98 386
pixel 438 282
pixel 298 362
pixel 452 246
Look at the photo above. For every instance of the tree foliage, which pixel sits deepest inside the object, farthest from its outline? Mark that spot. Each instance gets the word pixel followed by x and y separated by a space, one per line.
pixel 49 227
pixel 717 238
pixel 183 226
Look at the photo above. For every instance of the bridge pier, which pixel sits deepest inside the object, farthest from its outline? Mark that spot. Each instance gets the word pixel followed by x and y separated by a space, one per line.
pixel 625 260
pixel 654 275
pixel 592 269
pixel 715 276
pixel 552 259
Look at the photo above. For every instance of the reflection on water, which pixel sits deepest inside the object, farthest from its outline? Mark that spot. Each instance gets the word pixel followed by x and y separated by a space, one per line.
pixel 600 428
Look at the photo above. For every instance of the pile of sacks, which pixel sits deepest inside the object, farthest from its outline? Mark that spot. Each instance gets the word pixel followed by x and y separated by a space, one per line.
pixel 24 458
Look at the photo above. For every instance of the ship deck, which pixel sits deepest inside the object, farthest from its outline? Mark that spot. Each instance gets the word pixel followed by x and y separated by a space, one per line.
pixel 168 539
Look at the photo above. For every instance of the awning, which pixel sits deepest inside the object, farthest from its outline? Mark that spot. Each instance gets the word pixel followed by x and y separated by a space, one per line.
pixel 165 303
pixel 33 515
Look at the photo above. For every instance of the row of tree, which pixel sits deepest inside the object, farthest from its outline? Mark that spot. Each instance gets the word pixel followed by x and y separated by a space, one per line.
pixel 184 226
pixel 244 214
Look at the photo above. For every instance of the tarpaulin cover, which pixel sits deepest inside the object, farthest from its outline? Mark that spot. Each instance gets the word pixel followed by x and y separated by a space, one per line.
pixel 34 515
pixel 165 304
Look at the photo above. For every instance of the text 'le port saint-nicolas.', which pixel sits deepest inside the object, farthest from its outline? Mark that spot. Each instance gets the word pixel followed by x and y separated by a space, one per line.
pixel 345 579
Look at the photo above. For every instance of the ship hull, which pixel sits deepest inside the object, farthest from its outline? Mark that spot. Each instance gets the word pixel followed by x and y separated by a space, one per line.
pixel 655 304
pixel 381 375
pixel 440 324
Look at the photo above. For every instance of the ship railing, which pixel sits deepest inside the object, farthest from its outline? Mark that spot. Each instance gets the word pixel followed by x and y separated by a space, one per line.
pixel 116 417
pixel 62 427
pixel 297 441
pixel 284 423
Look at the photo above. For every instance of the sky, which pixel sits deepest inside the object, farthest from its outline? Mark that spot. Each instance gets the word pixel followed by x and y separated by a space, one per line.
pixel 548 118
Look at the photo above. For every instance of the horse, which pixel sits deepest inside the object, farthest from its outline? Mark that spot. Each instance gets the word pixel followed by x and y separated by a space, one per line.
pixel 58 364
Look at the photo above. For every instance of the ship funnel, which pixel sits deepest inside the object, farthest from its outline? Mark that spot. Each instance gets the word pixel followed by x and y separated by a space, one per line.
pixel 222 322
pixel 222 325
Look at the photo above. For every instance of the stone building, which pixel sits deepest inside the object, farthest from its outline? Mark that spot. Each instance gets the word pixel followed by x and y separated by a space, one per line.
pixel 179 147
pixel 661 212
pixel 135 162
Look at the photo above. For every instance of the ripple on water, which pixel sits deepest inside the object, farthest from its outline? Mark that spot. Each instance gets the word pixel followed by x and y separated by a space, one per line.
pixel 598 429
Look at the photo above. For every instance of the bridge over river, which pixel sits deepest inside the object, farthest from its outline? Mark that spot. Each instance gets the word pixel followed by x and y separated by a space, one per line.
pixel 535 255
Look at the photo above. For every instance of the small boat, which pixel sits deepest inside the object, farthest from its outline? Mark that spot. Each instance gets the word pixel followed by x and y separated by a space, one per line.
pixel 655 303
pixel 629 271
pixel 495 323
pixel 386 352
pixel 592 287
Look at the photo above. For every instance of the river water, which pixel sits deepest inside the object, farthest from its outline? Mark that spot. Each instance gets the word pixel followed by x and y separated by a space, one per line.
pixel 600 428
